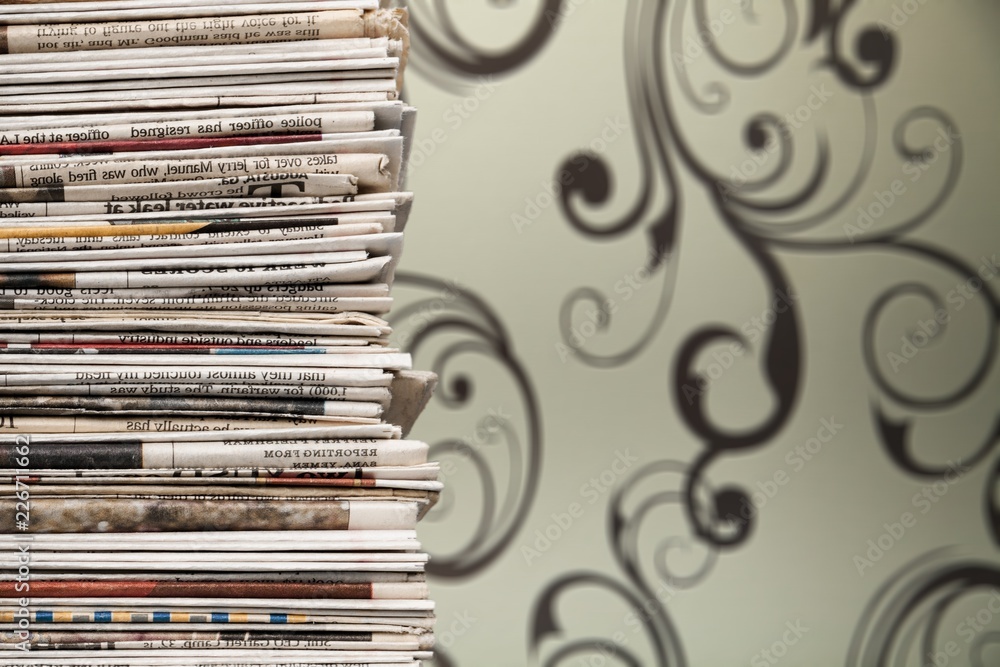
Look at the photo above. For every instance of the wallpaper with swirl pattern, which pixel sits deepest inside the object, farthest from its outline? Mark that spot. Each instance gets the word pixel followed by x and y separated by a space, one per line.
pixel 712 288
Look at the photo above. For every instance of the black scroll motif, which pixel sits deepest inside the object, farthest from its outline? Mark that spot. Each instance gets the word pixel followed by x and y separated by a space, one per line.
pixel 939 609
pixel 659 641
pixel 644 633
pixel 873 46
pixel 494 436
pixel 649 60
pixel 992 496
pixel 898 434
pixel 659 80
pixel 442 53
pixel 647 97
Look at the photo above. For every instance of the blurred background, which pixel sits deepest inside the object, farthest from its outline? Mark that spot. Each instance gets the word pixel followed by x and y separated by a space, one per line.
pixel 713 290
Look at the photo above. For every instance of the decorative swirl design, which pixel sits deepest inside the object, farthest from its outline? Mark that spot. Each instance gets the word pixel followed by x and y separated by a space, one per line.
pixel 636 501
pixel 745 215
pixel 633 505
pixel 647 100
pixel 933 601
pixel 459 332
pixel 762 229
pixel 992 501
pixel 981 369
pixel 897 434
pixel 892 238
pixel 758 130
pixel 781 349
pixel 442 54
pixel 872 46
pixel 862 239
pixel 664 647
pixel 755 233
pixel 782 374
pixel 728 63
pixel 656 129
pixel 718 92
pixel 763 216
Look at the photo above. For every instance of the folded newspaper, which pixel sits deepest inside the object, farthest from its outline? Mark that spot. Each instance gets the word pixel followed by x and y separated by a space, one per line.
pixel 203 428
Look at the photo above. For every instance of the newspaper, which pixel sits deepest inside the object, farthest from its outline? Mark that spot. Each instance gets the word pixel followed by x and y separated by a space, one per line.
pixel 94 219
pixel 193 429
pixel 349 68
pixel 342 89
pixel 177 322
pixel 53 353
pixel 17 363
pixel 260 659
pixel 29 218
pixel 346 90
pixel 371 170
pixel 280 304
pixel 206 58
pixel 223 639
pixel 327 122
pixel 218 546
pixel 374 243
pixel 320 228
pixel 214 640
pixel 188 263
pixel 355 269
pixel 91 10
pixel 85 515
pixel 331 47
pixel 139 337
pixel 204 86
pixel 187 542
pixel 379 395
pixel 248 454
pixel 233 29
pixel 179 182
pixel 97 145
pixel 209 373
pixel 291 577
pixel 382 483
pixel 186 405
pixel 281 605
pixel 387 141
pixel 369 290
pixel 199 100
pixel 273 184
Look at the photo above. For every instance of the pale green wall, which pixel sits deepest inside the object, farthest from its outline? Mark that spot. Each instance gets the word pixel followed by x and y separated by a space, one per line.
pixel 797 565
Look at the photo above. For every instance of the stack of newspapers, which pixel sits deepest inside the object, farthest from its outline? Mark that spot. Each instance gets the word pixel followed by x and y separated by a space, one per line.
pixel 203 425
